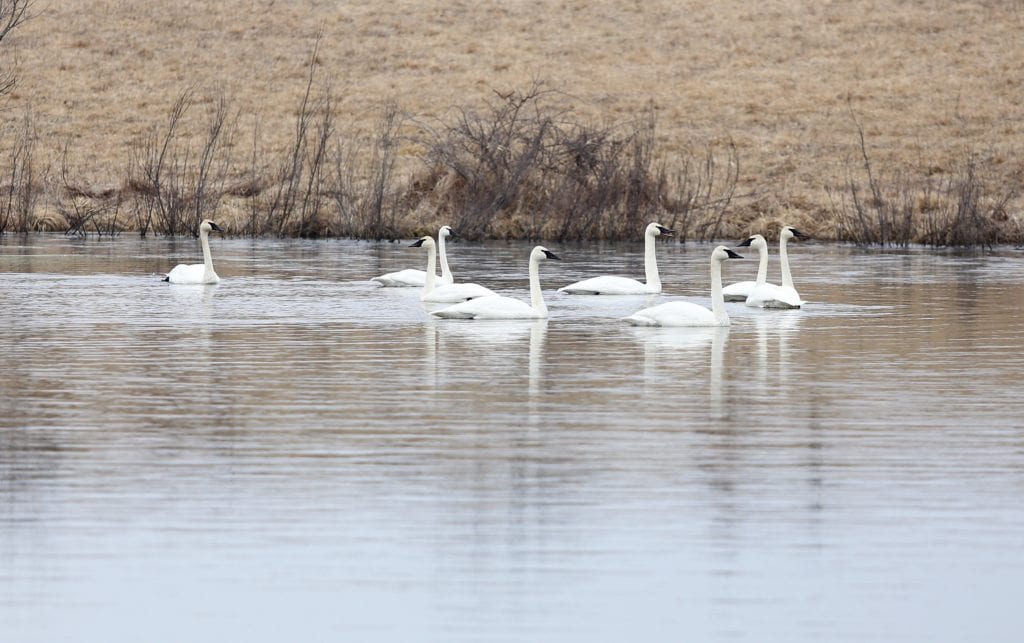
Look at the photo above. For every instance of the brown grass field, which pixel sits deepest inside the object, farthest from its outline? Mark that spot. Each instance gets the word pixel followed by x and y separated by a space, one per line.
pixel 935 88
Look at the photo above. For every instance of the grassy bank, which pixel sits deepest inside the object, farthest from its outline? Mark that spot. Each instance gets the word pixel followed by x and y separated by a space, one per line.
pixel 878 122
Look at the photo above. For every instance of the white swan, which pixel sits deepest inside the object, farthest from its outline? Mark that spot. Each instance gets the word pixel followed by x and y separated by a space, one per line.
pixel 412 278
pixel 198 273
pixel 500 307
pixel 784 296
pixel 609 285
pixel 685 313
pixel 445 293
pixel 741 289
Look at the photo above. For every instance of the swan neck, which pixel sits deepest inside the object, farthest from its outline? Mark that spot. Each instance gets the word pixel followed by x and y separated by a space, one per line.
pixel 787 278
pixel 446 273
pixel 430 280
pixel 762 264
pixel 204 241
pixel 536 296
pixel 651 264
pixel 717 299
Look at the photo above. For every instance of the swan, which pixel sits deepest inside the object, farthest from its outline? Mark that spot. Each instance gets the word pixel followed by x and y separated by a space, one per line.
pixel 784 296
pixel 685 313
pixel 198 273
pixel 500 307
pixel 609 285
pixel 739 290
pixel 445 293
pixel 412 278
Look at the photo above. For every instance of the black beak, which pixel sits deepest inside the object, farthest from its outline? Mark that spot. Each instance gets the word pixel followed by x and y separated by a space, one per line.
pixel 733 255
pixel 215 227
pixel 551 255
pixel 798 234
pixel 452 233
pixel 416 244
pixel 666 231
pixel 746 243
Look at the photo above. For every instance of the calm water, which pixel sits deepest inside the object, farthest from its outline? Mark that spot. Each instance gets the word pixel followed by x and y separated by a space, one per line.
pixel 297 454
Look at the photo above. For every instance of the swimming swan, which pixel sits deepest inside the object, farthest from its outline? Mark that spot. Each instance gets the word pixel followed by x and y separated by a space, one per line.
pixel 739 290
pixel 412 278
pixel 445 293
pixel 784 296
pixel 198 273
pixel 685 313
pixel 622 285
pixel 500 307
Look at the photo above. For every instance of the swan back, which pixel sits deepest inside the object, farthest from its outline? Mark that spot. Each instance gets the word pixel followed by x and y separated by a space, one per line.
pixel 685 313
pixel 613 285
pixel 501 307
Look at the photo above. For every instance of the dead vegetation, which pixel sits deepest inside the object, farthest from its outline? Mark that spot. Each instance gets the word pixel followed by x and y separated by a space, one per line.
pixel 911 205
pixel 718 121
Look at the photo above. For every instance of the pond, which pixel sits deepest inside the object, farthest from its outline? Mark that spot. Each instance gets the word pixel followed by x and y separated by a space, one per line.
pixel 299 454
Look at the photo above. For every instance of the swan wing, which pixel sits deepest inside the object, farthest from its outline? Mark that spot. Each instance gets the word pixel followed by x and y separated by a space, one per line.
pixel 491 307
pixel 408 278
pixel 738 291
pixel 673 313
pixel 454 293
pixel 773 296
pixel 785 298
pixel 607 285
pixel 190 274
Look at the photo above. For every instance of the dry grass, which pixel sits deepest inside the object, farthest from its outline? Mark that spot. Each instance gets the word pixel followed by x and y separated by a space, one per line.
pixel 785 82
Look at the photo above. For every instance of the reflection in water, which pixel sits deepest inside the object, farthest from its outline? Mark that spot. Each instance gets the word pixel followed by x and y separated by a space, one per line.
pixel 297 450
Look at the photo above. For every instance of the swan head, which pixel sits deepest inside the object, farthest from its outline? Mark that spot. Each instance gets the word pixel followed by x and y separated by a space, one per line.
pixel 757 242
pixel 721 253
pixel 446 231
pixel 655 229
pixel 207 226
pixel 788 232
pixel 540 252
pixel 425 242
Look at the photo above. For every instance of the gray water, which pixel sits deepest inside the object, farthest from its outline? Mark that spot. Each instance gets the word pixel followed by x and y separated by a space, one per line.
pixel 299 455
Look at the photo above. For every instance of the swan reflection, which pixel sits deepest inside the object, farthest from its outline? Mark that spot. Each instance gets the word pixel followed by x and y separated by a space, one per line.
pixel 778 328
pixel 681 350
pixel 498 346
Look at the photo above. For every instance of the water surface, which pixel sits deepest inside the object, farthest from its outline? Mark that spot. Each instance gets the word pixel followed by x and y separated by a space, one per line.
pixel 298 454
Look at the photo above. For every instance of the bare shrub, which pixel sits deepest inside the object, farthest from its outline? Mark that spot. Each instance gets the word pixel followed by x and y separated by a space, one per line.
pixel 156 174
pixel 902 207
pixel 82 207
pixel 696 195
pixel 175 188
pixel 12 14
pixel 293 201
pixel 519 168
pixel 368 206
pixel 492 152
pixel 20 184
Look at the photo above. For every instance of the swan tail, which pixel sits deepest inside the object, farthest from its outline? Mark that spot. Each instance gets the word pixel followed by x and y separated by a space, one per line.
pixel 639 320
